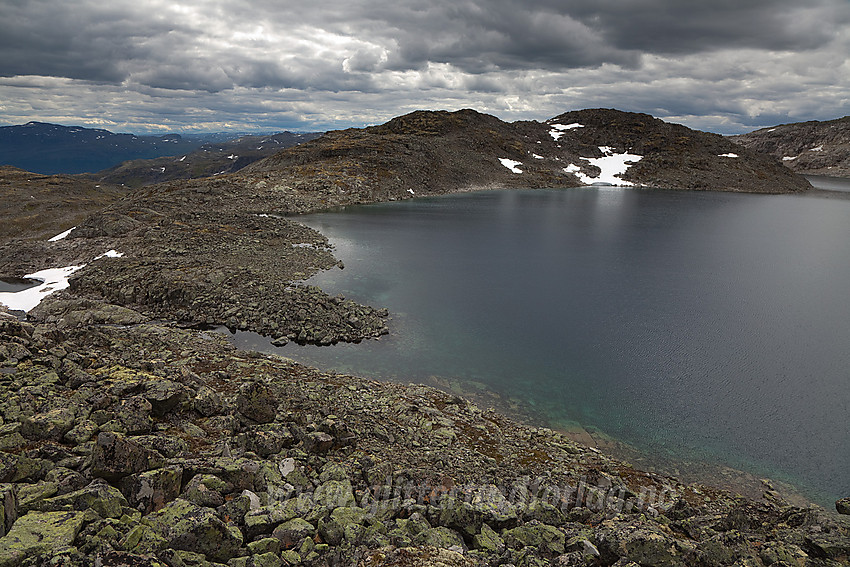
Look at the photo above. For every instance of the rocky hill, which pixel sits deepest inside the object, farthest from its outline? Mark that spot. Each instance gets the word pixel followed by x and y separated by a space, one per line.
pixel 34 206
pixel 438 152
pixel 816 148
pixel 208 160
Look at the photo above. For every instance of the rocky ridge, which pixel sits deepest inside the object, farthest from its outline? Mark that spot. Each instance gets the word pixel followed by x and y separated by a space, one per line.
pixel 38 207
pixel 814 147
pixel 126 442
pixel 208 160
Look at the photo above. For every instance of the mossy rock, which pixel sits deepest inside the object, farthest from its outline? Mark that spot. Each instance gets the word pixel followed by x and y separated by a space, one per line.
pixel 440 536
pixel 106 500
pixel 190 527
pixel 547 539
pixel 40 534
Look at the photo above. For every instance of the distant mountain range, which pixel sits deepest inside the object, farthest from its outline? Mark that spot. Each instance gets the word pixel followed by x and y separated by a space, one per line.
pixel 814 148
pixel 49 149
pixel 208 160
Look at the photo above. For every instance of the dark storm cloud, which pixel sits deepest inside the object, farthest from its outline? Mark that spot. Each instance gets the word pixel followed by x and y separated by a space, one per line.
pixel 323 62
pixel 111 41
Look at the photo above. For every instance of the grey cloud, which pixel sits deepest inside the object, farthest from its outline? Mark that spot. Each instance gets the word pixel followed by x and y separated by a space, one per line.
pixel 338 63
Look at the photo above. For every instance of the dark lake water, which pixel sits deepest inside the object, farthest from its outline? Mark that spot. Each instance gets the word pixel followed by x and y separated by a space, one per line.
pixel 713 326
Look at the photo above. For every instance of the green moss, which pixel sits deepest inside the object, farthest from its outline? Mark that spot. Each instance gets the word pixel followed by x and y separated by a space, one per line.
pixel 39 533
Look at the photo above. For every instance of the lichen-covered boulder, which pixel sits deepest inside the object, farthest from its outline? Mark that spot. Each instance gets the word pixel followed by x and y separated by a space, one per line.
pixel 115 457
pixel 187 526
pixel 459 515
pixel 547 539
pixel 257 401
pixel 165 395
pixel 51 425
pixel 206 490
pixel 134 415
pixel 842 506
pixel 40 534
pixel 488 540
pixel 106 500
pixel 8 508
pixel 334 494
pixel 293 531
pixel 441 537
pixel 151 490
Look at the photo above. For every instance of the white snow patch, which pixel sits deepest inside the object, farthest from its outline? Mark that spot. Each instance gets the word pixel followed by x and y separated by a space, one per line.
pixel 789 158
pixel 181 159
pixel 817 149
pixel 511 164
pixel 232 156
pixel 162 170
pixel 61 235
pixel 535 156
pixel 52 280
pixel 558 129
pixel 772 130
pixel 612 166
pixel 730 154
pixel 109 254
pixel 572 126
pixel 411 191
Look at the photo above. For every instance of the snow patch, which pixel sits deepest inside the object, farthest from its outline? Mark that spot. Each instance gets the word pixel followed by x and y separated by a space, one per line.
pixel 232 156
pixel 411 191
pixel 789 158
pixel 181 159
pixel 535 156
pixel 772 130
pixel 572 126
pixel 612 166
pixel 61 235
pixel 511 164
pixel 730 154
pixel 53 279
pixel 110 254
pixel 817 149
pixel 558 129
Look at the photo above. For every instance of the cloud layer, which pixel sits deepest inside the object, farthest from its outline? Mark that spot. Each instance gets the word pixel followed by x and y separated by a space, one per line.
pixel 724 65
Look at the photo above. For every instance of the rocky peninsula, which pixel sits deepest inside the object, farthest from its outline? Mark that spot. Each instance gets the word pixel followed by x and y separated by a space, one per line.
pixel 132 436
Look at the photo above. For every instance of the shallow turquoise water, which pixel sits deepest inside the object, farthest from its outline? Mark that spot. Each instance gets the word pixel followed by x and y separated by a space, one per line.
pixel 702 325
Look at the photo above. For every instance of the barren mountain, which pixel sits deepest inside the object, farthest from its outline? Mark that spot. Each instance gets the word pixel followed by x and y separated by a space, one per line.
pixel 208 160
pixel 438 152
pixel 815 148
pixel 34 206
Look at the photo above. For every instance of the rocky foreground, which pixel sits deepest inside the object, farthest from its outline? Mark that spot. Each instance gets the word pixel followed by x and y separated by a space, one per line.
pixel 127 442
pixel 131 436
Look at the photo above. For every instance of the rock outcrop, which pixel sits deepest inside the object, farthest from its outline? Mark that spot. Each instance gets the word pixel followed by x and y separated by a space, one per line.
pixel 814 148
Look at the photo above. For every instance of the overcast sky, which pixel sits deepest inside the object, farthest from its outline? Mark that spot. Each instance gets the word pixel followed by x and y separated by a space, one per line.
pixel 141 66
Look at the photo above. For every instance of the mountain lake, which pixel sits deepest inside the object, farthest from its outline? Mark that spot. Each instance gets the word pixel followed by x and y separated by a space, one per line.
pixel 695 331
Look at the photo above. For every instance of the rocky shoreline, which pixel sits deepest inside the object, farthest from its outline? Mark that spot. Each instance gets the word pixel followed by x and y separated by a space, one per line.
pixel 127 442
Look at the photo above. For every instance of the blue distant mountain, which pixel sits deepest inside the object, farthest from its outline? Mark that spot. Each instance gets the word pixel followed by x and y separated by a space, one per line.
pixel 50 148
